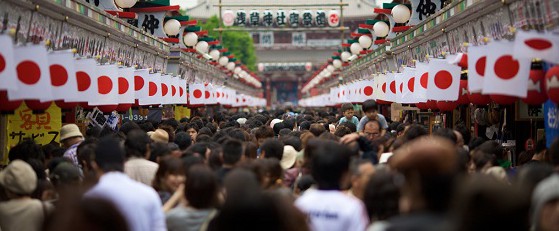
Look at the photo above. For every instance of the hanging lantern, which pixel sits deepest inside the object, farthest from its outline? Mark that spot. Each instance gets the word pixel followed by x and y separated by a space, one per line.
pixel 308 66
pixel 65 105
pixel 447 105
pixel 503 99
pixel 223 61
pixel 421 106
pixel 172 27
pixel 365 41
pixel 432 104
pixel 463 95
pixel 86 106
pixel 123 107
pixel 107 108
pixel 237 70
pixel 125 3
pixel 355 48
pixel 214 54
pixel 202 47
pixel 552 84
pixel 536 88
pixel 401 13
pixel 345 56
pixel 36 105
pixel 230 66
pixel 261 67
pixel 337 63
pixel 190 39
pixel 330 68
pixel 7 105
pixel 479 99
pixel 379 101
pixel 381 29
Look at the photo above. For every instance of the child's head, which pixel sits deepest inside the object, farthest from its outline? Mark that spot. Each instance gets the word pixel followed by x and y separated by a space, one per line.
pixel 370 108
pixel 347 110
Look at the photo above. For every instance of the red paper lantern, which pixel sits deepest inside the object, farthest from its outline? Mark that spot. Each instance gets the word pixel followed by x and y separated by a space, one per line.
pixel 536 88
pixel 432 104
pixel 36 105
pixel 86 106
pixel 383 102
pixel 65 105
pixel 107 108
pixel 123 107
pixel 479 99
pixel 7 105
pixel 447 105
pixel 421 106
pixel 503 99
pixel 463 95
pixel 552 84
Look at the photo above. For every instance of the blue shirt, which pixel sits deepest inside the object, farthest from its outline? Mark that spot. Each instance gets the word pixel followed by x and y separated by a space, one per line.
pixel 354 120
pixel 365 119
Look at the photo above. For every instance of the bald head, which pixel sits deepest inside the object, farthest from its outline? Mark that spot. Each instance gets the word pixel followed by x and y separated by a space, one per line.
pixel 426 155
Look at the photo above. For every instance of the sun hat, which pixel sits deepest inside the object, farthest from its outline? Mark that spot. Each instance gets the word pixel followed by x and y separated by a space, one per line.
pixel 19 178
pixel 69 131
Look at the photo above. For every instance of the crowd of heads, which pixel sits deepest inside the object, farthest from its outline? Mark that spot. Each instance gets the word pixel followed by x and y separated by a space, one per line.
pixel 257 171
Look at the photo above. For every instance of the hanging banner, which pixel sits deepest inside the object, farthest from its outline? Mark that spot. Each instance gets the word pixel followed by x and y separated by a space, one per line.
pixel 43 128
pixel 551 122
pixel 152 23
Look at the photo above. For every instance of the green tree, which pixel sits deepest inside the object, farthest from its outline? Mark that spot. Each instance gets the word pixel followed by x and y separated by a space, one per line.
pixel 239 43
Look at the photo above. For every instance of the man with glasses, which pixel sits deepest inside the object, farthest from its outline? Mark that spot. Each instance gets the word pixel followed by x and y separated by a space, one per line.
pixel 372 130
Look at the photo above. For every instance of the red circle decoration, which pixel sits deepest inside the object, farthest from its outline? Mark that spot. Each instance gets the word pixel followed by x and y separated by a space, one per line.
pixel 197 93
pixel 207 94
pixel 58 75
pixel 447 105
pixel 479 99
pixel 424 80
pixel 123 107
pixel 107 108
pixel 411 84
pixel 7 105
pixel 84 81
pixel 401 87
pixel 173 90
pixel 480 66
pixel 65 105
pixel 138 83
pixel 164 89
pixel 506 67
pixel 123 85
pixel 181 91
pixel 28 72
pixel 503 99
pixel 538 44
pixel 105 85
pixel 432 104
pixel 2 63
pixel 36 105
pixel 443 79
pixel 538 95
pixel 384 88
pixel 463 93
pixel 152 88
pixel 368 90
pixel 421 106
pixel 552 84
pixel 393 87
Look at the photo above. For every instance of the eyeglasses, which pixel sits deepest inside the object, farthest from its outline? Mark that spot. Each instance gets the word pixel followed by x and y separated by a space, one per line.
pixel 371 134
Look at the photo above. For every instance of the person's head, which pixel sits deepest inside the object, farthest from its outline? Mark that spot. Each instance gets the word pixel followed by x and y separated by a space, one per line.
pixel 545 205
pixel 370 109
pixel 26 150
pixel 158 151
pixel 128 126
pixel 18 179
pixel 171 122
pixel 382 195
pixel 284 133
pixel 109 155
pixel 347 110
pixel 262 133
pixel 465 132
pixel 183 140
pixel 429 167
pixel 446 133
pixel 317 129
pixel 201 189
pixel 305 125
pixel 137 144
pixel 200 149
pixel 361 171
pixel 476 142
pixel 147 126
pixel 272 148
pixel 86 154
pixel 341 131
pixel 232 152
pixel 352 127
pixel 192 129
pixel 169 175
pixel 70 134
pixel 415 131
pixel 329 163
pixel 250 150
pixel 160 136
pixel 65 175
pixel 531 174
pixel 372 130
pixel 294 141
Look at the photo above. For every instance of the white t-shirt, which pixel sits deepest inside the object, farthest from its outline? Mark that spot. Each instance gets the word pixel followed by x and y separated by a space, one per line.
pixel 333 210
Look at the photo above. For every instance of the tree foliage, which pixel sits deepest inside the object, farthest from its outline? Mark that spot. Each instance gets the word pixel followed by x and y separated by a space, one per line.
pixel 239 43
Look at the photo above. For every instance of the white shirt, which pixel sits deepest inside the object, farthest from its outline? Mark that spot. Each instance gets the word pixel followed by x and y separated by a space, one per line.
pixel 139 204
pixel 141 170
pixel 333 210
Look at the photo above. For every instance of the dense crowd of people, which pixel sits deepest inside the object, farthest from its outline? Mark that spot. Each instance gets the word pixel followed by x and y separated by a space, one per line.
pixel 278 170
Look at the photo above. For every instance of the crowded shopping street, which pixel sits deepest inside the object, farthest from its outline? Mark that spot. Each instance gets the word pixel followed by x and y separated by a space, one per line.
pixel 315 115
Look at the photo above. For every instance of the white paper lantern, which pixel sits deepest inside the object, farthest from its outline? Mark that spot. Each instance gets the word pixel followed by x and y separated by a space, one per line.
pixel 355 48
pixel 401 13
pixel 215 54
pixel 126 3
pixel 228 18
pixel 202 46
pixel 172 27
pixel 237 70
pixel 190 39
pixel 337 63
pixel 381 29
pixel 230 66
pixel 330 68
pixel 327 74
pixel 333 18
pixel 365 41
pixel 223 61
pixel 345 56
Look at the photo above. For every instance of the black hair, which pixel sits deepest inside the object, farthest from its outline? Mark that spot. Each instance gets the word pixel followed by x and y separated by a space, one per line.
pixel 446 133
pixel 351 126
pixel 554 153
pixel 26 150
pixel 476 142
pixel 183 139
pixel 369 105
pixel 284 132
pixel 415 131
pixel 136 143
pixel 232 151
pixel 289 123
pixel 109 155
pixel 294 141
pixel 346 107
pixel 237 134
pixel 341 131
pixel 277 128
pixel 128 126
pixel 330 161
pixel 295 134
pixel 171 122
pixel 201 189
pixel 273 148
pixel 205 131
pixel 382 195
pixel 199 148
pixel 158 150
pixel 203 138
pixel 147 126
pixel 305 125
pixel 465 132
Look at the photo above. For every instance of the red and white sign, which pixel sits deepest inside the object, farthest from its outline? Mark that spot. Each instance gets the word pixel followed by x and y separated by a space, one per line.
pixel 8 77
pixel 532 44
pixel 196 92
pixel 32 71
pixel 141 87
pixel 86 78
pixel 107 85
pixel 182 86
pixel 444 80
pixel 63 76
pixel 421 82
pixel 477 60
pixel 390 88
pixel 380 89
pixel 154 90
pixel 125 85
pixel 504 74
pixel 228 17
pixel 408 82
pixel 333 18
pixel 166 90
